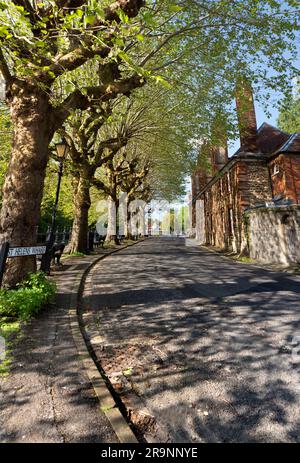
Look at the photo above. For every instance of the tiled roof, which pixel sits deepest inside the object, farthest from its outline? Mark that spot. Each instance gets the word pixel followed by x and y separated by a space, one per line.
pixel 270 139
pixel 292 145
pixel 274 141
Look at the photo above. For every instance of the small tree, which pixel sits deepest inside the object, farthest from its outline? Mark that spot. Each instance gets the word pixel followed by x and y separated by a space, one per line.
pixel 89 151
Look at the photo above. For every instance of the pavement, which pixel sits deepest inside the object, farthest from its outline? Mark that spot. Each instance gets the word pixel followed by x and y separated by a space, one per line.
pixel 199 348
pixel 47 396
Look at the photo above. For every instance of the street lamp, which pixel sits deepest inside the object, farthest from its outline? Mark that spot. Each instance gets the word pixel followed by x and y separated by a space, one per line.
pixel 62 149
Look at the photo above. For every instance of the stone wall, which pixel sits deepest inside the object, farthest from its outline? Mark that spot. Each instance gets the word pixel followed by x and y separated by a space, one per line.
pixel 259 188
pixel 274 234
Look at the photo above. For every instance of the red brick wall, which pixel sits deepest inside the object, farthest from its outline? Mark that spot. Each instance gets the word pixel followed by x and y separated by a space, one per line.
pixel 246 184
pixel 292 177
pixel 278 180
pixel 219 200
pixel 286 182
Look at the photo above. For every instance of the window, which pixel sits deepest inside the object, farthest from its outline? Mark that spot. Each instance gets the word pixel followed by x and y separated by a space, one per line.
pixel 275 169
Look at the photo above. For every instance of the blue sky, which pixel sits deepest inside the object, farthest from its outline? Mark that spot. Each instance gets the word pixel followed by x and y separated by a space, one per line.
pixel 261 115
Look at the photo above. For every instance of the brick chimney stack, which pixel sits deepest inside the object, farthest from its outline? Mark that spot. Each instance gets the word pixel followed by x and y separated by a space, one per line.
pixel 246 115
pixel 219 148
pixel 199 180
pixel 199 176
pixel 219 158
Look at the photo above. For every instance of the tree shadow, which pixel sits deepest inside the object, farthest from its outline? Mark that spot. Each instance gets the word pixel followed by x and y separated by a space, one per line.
pixel 47 396
pixel 223 332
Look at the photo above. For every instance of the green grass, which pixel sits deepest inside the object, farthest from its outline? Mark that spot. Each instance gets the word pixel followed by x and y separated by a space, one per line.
pixel 245 260
pixel 19 305
pixel 77 254
pixel 8 328
pixel 27 298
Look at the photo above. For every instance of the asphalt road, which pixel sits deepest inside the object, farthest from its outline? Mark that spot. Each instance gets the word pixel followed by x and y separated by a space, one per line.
pixel 207 343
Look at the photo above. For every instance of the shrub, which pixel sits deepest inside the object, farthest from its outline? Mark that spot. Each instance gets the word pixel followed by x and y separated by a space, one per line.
pixel 28 297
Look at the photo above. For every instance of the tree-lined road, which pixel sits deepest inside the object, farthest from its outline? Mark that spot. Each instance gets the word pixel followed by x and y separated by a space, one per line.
pixel 207 342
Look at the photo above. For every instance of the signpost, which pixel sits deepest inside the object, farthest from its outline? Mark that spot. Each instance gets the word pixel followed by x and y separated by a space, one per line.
pixel 9 253
pixel 29 251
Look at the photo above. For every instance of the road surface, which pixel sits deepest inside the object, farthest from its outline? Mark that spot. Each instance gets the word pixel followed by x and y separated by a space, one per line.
pixel 207 344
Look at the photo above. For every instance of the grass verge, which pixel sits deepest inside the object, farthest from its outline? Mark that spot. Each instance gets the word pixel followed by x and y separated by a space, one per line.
pixel 17 306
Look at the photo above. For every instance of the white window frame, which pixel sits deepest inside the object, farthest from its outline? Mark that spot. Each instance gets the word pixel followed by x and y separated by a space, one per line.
pixel 275 169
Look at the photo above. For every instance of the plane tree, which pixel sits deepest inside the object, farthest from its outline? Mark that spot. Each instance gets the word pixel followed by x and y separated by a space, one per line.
pixel 39 43
pixel 185 43
pixel 90 149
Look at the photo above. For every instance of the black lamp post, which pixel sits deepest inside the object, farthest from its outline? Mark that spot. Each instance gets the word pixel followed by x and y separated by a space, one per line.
pixel 62 149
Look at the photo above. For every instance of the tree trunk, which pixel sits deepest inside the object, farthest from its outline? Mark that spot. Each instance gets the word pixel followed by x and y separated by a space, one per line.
pixel 127 219
pixel 132 219
pixel 142 228
pixel 23 187
pixel 111 236
pixel 82 204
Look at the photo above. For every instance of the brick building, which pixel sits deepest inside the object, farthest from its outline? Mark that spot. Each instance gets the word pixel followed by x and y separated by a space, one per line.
pixel 266 169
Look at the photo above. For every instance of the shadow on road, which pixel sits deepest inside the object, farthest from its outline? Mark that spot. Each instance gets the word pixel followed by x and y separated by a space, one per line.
pixel 208 341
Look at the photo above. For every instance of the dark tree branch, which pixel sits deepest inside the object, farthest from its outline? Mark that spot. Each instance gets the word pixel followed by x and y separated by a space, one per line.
pixel 4 68
pixel 112 90
pixel 70 4
pixel 100 185
pixel 75 100
pixel 81 54
pixel 130 7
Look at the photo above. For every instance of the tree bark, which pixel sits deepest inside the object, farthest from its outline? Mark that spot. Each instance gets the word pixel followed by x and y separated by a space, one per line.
pixel 82 204
pixel 112 234
pixel 142 228
pixel 23 187
pixel 128 227
pixel 127 223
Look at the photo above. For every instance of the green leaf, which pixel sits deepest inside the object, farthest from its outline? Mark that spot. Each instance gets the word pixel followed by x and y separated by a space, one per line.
pixel 175 8
pixel 161 80
pixel 123 16
pixel 3 6
pixel 90 19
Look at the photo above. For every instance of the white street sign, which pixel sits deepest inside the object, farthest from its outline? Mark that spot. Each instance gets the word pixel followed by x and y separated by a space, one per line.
pixel 30 251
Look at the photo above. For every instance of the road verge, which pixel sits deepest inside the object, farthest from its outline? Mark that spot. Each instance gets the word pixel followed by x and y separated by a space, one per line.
pixel 107 401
